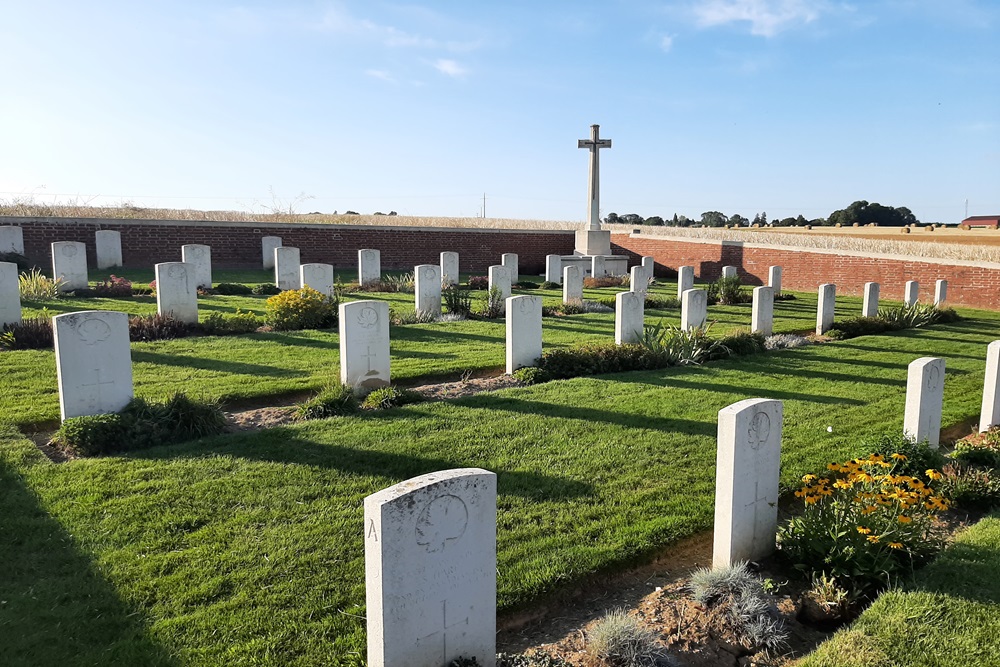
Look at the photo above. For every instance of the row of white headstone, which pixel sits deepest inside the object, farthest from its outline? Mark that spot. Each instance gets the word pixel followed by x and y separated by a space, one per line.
pixel 869 305
pixel 431 544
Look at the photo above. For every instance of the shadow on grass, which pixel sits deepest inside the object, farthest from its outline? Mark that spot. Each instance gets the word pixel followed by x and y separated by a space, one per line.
pixel 57 609
pixel 234 367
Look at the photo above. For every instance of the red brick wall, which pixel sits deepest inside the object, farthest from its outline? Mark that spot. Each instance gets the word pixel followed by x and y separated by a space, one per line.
pixel 237 245
pixel 804 270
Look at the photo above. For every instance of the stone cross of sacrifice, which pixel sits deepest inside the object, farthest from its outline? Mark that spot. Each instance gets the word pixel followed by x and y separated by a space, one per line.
pixel 595 143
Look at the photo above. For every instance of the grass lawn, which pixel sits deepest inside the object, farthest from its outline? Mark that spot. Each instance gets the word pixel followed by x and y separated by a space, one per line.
pixel 947 616
pixel 247 549
pixel 264 365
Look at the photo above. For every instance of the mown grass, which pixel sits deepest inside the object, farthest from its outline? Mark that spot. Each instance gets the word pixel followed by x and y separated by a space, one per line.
pixel 948 615
pixel 248 548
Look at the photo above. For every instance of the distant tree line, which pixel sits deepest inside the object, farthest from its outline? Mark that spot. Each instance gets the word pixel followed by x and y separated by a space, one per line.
pixel 860 212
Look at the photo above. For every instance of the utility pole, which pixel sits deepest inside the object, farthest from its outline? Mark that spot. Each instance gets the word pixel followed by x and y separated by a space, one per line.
pixel 484 205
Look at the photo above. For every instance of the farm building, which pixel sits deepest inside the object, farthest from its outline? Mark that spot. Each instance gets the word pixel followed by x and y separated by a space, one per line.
pixel 983 221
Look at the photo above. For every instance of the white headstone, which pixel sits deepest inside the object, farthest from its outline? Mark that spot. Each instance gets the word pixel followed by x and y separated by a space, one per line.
pixel 597 269
pixel 990 413
pixel 369 266
pixel 685 280
pixel 729 272
pixel 12 240
pixel 762 313
pixel 176 291
pixel 869 307
pixel 430 570
pixel 694 309
pixel 267 246
pixel 553 269
pixel 940 292
pixel 427 289
pixel 924 400
pixel 629 316
pixel 649 264
pixel 93 362
pixel 10 294
pixel 774 279
pixel 911 292
pixel 638 282
pixel 746 486
pixel 286 268
pixel 572 284
pixel 364 344
pixel 108 243
pixel 524 331
pixel 317 276
pixel 69 262
pixel 509 261
pixel 499 277
pixel 825 307
pixel 449 269
pixel 200 258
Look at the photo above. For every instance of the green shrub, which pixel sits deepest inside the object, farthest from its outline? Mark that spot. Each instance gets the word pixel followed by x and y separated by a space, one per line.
pixel 980 455
pixel 529 375
pixel 240 322
pixel 525 284
pixel 145 328
pixel 857 326
pixel 188 419
pixel 265 289
pixel 918 457
pixel 390 397
pixel 35 286
pixel 662 303
pixel 23 265
pixel 409 317
pixel 493 304
pixel 595 358
pixel 335 400
pixel 304 308
pixel 917 315
pixel 33 333
pixel 970 488
pixel 231 289
pixel 671 346
pixel 548 284
pixel 740 343
pixel 728 292
pixel 92 435
pixel 457 300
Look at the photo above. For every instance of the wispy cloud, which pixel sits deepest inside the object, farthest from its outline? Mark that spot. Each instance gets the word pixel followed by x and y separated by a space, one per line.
pixel 450 67
pixel 766 17
pixel 336 20
pixel 380 74
pixel 666 42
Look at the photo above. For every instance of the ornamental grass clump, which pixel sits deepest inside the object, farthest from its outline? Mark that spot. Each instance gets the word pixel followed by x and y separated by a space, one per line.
pixel 304 308
pixel 36 286
pixel 864 523
pixel 31 333
pixel 620 640
pixel 493 304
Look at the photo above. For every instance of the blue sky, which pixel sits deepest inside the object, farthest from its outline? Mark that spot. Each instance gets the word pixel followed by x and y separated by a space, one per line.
pixel 741 106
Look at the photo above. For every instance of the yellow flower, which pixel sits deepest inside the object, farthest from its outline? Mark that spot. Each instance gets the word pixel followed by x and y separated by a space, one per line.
pixel 933 474
pixel 869 510
pixel 864 531
pixel 899 457
pixel 833 466
pixel 902 518
pixel 808 478
pixel 895 545
pixel 811 499
pixel 873 539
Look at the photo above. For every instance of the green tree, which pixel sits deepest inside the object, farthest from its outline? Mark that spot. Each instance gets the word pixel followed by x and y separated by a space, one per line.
pixel 714 219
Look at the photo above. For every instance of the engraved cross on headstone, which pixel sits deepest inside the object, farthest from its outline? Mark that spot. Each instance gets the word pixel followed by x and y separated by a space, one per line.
pixel 443 632
pixel 595 143
pixel 368 356
pixel 97 386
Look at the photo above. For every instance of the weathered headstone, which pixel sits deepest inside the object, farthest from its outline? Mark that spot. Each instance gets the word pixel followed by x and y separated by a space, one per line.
pixel 108 243
pixel 369 266
pixel 509 261
pixel 69 262
pixel 10 294
pixel 746 487
pixel 176 291
pixel 430 570
pixel 869 307
pixel 685 280
pixel 93 362
pixel 267 246
pixel 762 312
pixel 317 276
pixel 825 307
pixel 449 269
pixel 286 268
pixel 427 289
pixel 629 316
pixel 638 282
pixel 911 292
pixel 524 331
pixel 499 277
pixel 572 284
pixel 990 413
pixel 729 272
pixel 553 269
pixel 924 400
pixel 200 258
pixel 774 279
pixel 940 292
pixel 597 268
pixel 12 240
pixel 694 309
pixel 649 264
pixel 364 344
